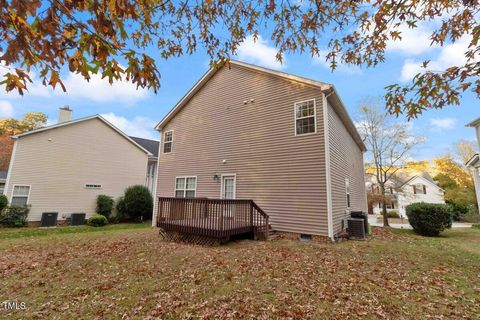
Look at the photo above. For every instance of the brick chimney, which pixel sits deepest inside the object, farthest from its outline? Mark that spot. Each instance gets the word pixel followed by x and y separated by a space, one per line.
pixel 64 114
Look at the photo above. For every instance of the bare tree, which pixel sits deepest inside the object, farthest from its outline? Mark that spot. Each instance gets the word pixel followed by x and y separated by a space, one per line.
pixel 464 150
pixel 389 144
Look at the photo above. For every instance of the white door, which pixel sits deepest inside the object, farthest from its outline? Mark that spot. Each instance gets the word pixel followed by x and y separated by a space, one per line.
pixel 228 187
pixel 228 192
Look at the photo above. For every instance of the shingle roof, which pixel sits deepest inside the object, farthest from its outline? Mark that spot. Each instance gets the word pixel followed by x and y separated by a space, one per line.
pixel 3 175
pixel 151 145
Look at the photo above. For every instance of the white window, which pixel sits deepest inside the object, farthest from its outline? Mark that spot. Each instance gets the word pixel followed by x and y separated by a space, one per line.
pixel 93 186
pixel 168 142
pixel 185 187
pixel 20 195
pixel 305 119
pixel 347 192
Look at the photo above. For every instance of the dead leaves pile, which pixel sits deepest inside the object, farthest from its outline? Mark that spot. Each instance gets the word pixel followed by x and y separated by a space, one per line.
pixel 133 274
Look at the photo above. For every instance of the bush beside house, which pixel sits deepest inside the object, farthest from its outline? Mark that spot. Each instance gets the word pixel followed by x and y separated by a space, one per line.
pixel 3 202
pixel 14 216
pixel 429 219
pixel 97 220
pixel 136 204
pixel 104 205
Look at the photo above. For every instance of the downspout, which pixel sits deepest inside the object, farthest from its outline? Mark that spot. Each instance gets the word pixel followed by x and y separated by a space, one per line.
pixel 155 202
pixel 327 166
pixel 10 169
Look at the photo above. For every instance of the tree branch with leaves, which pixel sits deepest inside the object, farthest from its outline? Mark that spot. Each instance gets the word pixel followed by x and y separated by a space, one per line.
pixel 113 38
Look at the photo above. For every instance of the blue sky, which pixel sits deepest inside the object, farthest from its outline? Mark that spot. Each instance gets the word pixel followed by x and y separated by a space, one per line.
pixel 137 111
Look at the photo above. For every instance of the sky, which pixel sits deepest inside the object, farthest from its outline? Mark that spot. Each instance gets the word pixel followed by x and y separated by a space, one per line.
pixel 137 111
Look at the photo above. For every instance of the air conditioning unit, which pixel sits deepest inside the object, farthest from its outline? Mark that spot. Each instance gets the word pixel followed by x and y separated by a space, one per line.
pixel 77 219
pixel 49 219
pixel 355 228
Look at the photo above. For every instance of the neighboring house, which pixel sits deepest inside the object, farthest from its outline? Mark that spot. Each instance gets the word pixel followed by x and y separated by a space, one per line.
pixel 474 162
pixel 404 191
pixel 286 142
pixel 62 168
pixel 3 179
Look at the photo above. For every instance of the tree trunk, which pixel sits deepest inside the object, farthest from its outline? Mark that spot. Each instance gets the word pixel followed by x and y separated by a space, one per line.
pixel 384 207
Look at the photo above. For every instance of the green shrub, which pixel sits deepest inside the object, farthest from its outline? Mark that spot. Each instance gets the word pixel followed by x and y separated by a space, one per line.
pixel 97 220
pixel 14 216
pixel 136 204
pixel 392 214
pixel 114 219
pixel 476 225
pixel 3 202
pixel 104 205
pixel 458 209
pixel 429 219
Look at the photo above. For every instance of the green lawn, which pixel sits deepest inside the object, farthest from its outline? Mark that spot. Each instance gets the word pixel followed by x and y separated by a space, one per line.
pixel 132 273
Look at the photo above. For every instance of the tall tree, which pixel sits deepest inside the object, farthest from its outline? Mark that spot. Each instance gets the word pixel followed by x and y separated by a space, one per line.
pixel 99 36
pixel 389 144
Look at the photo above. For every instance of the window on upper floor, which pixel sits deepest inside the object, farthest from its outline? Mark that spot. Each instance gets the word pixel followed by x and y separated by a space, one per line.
pixel 20 195
pixel 419 189
pixel 305 120
pixel 168 141
pixel 185 187
pixel 347 192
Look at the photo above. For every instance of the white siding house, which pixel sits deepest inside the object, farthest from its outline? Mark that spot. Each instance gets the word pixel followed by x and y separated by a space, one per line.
pixel 419 188
pixel 64 167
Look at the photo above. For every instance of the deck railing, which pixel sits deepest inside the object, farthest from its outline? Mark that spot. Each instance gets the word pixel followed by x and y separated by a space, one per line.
pixel 217 218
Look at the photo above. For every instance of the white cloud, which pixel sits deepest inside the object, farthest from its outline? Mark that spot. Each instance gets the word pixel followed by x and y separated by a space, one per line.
pixel 138 127
pixel 341 67
pixel 99 90
pixel 259 52
pixel 452 54
pixel 6 109
pixel 414 41
pixel 439 124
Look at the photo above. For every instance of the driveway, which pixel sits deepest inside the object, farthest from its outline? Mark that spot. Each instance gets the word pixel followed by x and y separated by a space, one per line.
pixel 372 219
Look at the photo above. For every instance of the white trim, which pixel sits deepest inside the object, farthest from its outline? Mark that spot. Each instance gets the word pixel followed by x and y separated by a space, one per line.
pixel 163 144
pixel 348 194
pixel 327 167
pixel 97 116
pixel 231 175
pixel 10 167
pixel 154 214
pixel 22 185
pixel 185 190
pixel 314 117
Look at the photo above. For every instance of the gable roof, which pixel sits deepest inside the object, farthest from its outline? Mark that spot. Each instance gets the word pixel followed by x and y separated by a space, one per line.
pixel 473 161
pixel 474 123
pixel 67 123
pixel 328 89
pixel 150 145
pixel 424 175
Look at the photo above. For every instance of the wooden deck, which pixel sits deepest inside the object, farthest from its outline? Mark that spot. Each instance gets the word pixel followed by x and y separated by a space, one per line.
pixel 211 218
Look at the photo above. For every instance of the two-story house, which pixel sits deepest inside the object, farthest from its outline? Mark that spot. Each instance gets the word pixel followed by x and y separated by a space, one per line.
pixel 286 142
pixel 403 190
pixel 474 163
pixel 61 169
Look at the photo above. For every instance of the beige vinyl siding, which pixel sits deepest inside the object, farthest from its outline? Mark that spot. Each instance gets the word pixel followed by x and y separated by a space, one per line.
pixel 80 153
pixel 283 173
pixel 346 161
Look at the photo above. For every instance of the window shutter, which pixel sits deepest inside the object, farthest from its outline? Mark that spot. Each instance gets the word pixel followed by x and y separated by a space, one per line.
pixel 424 189
pixel 414 190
